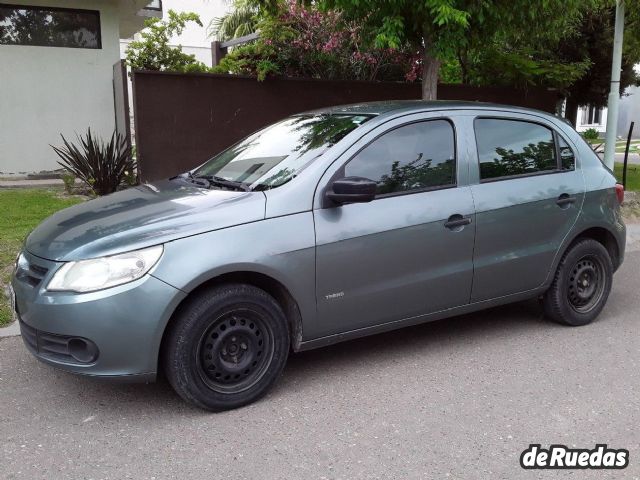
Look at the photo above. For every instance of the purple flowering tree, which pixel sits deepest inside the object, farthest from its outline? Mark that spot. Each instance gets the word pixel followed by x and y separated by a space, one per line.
pixel 302 41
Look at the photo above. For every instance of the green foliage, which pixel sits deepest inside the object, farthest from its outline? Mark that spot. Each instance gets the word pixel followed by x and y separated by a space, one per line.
pixel 591 134
pixel 593 41
pixel 153 52
pixel 102 166
pixel 241 20
pixel 460 31
pixel 301 41
pixel 573 57
pixel 521 67
pixel 69 180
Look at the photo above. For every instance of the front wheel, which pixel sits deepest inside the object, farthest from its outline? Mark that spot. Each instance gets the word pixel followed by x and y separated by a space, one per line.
pixel 581 285
pixel 227 347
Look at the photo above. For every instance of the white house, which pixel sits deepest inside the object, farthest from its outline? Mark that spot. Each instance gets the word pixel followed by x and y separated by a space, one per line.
pixel 56 73
pixel 629 111
pixel 195 39
pixel 591 117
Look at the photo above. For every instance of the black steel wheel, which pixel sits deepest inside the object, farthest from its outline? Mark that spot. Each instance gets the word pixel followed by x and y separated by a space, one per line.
pixel 226 347
pixel 581 284
pixel 586 284
pixel 235 351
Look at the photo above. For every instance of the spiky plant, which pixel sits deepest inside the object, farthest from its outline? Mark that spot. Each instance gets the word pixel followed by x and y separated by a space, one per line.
pixel 102 166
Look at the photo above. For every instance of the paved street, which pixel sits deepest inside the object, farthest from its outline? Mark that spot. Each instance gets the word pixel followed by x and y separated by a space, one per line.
pixel 459 398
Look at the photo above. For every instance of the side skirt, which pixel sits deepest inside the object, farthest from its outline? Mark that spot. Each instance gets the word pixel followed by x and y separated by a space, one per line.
pixel 407 322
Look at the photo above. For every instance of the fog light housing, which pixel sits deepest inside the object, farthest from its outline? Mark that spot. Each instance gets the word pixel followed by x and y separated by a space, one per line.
pixel 82 350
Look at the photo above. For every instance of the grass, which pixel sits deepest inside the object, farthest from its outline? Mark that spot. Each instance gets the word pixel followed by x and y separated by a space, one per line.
pixel 621 145
pixel 22 210
pixel 633 176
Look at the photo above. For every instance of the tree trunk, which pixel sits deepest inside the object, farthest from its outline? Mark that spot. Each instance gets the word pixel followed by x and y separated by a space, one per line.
pixel 430 69
pixel 462 60
pixel 571 111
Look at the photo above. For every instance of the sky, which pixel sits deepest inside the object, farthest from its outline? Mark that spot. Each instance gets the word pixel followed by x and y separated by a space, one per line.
pixel 195 36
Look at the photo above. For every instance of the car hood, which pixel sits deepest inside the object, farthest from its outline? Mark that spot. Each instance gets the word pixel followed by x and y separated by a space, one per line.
pixel 138 217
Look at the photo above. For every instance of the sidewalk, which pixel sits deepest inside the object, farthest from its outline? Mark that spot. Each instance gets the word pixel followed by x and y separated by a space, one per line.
pixel 52 182
pixel 12 330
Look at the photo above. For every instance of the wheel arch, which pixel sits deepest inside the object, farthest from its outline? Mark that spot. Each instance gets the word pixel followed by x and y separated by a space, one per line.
pixel 603 236
pixel 268 283
pixel 599 233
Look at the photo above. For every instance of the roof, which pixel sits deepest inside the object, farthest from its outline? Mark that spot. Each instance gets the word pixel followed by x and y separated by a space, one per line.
pixel 408 106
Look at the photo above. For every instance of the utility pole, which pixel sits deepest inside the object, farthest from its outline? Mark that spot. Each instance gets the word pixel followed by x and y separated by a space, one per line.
pixel 614 94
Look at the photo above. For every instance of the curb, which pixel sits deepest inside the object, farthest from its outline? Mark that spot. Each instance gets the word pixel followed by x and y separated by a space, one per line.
pixel 49 183
pixel 12 330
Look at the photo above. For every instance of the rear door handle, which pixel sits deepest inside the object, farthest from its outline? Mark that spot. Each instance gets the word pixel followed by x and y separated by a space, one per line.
pixel 457 221
pixel 565 200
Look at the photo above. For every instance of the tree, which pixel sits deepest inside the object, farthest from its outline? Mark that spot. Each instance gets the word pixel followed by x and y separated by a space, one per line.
pixel 153 52
pixel 241 20
pixel 594 42
pixel 436 28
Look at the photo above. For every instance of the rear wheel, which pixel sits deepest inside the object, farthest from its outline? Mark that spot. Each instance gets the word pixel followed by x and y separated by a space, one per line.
pixel 227 347
pixel 581 285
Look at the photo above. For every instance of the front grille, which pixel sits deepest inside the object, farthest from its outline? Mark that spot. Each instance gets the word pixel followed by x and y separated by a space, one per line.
pixel 61 348
pixel 31 273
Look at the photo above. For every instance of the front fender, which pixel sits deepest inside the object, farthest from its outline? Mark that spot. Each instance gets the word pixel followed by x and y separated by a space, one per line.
pixel 282 248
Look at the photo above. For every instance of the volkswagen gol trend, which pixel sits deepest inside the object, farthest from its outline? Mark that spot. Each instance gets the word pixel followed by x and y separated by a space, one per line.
pixel 323 227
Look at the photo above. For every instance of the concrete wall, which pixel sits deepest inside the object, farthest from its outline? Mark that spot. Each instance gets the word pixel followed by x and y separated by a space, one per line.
pixel 45 91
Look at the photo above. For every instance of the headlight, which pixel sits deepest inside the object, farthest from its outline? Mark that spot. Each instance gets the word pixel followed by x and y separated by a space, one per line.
pixel 21 263
pixel 104 272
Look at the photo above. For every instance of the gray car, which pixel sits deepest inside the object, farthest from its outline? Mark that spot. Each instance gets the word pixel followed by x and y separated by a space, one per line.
pixel 324 227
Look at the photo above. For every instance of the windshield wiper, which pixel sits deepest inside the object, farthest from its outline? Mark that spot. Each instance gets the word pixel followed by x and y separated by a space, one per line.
pixel 205 181
pixel 222 182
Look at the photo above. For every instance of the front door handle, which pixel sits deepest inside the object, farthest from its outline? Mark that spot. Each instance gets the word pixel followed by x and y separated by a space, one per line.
pixel 457 221
pixel 565 200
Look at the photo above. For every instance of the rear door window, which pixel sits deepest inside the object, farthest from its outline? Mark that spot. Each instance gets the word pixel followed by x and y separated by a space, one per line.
pixel 508 148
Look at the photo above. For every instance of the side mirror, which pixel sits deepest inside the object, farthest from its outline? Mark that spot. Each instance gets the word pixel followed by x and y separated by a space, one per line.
pixel 352 190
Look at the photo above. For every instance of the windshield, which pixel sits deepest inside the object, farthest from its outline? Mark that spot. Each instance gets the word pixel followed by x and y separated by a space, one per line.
pixel 276 154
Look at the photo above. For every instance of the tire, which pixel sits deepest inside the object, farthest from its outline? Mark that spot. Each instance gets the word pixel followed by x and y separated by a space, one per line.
pixel 581 284
pixel 226 347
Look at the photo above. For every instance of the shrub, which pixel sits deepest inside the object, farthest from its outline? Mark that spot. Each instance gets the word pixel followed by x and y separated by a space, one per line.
pixel 302 41
pixel 69 180
pixel 591 134
pixel 102 166
pixel 153 52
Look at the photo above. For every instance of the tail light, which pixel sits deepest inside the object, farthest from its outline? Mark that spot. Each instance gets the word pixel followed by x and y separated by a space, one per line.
pixel 620 193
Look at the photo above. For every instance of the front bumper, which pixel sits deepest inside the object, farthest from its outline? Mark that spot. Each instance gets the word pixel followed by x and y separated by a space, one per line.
pixel 125 323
